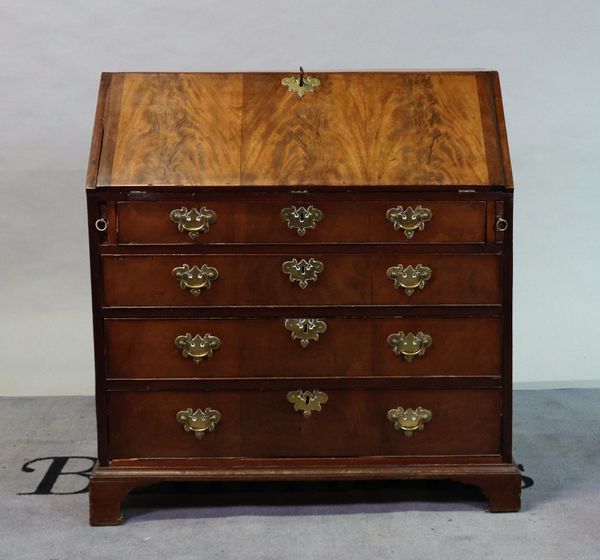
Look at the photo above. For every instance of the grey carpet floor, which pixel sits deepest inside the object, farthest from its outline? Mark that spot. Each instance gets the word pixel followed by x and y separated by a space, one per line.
pixel 557 440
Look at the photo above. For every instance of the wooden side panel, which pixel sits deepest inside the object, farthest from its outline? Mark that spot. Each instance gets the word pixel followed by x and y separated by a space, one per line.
pixel 264 424
pixel 318 139
pixel 173 129
pixel 247 279
pixel 264 348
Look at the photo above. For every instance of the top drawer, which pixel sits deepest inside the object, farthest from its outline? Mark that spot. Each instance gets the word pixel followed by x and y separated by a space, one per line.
pixel 296 220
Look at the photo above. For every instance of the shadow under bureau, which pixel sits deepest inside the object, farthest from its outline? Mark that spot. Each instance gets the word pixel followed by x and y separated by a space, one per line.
pixel 301 277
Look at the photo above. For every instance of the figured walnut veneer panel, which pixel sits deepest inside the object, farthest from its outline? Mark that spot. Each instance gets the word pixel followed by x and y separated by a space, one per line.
pixel 317 139
pixel 172 129
pixel 424 129
pixel 248 130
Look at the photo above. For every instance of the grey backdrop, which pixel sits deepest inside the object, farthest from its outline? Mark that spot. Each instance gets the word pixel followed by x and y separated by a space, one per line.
pixel 51 56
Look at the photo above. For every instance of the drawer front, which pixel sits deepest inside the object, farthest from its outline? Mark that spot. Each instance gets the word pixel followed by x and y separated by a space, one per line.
pixel 265 424
pixel 137 348
pixel 261 221
pixel 330 279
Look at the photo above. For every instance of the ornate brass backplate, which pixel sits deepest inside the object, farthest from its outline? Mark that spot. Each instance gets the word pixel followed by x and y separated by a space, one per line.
pixel 410 278
pixel 302 271
pixel 301 85
pixel 409 345
pixel 193 221
pixel 200 421
pixel 301 218
pixel 305 330
pixel 195 279
pixel 408 420
pixel 409 220
pixel 197 347
pixel 307 402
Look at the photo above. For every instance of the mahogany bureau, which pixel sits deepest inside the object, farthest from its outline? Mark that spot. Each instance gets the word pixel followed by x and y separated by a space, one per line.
pixel 301 277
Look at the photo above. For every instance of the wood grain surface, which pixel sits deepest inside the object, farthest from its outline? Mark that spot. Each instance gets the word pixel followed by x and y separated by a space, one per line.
pixel 165 129
pixel 260 221
pixel 264 424
pixel 137 280
pixel 357 129
pixel 138 348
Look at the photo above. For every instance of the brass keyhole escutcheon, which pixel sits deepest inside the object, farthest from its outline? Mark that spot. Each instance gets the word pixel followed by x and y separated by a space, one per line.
pixel 305 330
pixel 303 271
pixel 307 402
pixel 301 218
pixel 302 84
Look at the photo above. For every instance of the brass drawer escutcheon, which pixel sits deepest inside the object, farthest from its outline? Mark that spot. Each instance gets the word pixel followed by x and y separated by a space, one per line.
pixel 301 218
pixel 195 279
pixel 307 402
pixel 193 221
pixel 410 278
pixel 302 271
pixel 408 420
pixel 409 345
pixel 301 85
pixel 409 220
pixel 197 347
pixel 305 330
pixel 200 421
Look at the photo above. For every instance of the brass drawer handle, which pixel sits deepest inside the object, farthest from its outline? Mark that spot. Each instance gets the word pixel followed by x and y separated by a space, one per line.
pixel 193 221
pixel 195 279
pixel 301 218
pixel 408 420
pixel 307 402
pixel 305 330
pixel 410 278
pixel 409 345
pixel 197 347
pixel 302 271
pixel 200 421
pixel 409 220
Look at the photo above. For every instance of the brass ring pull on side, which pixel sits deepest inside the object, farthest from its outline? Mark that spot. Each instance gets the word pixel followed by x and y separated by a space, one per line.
pixel 409 421
pixel 101 224
pixel 501 224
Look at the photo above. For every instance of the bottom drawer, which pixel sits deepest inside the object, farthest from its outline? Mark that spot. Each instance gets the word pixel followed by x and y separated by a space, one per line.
pixel 352 422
